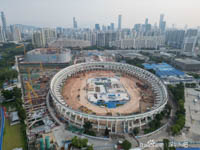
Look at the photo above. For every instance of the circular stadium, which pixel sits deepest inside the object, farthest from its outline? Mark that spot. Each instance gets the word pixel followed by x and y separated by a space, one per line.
pixel 111 95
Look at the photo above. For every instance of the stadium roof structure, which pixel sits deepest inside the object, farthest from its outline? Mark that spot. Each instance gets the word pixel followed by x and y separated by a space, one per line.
pixel 164 69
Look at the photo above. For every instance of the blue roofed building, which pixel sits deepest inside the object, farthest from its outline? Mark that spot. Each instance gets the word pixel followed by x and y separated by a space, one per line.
pixel 169 74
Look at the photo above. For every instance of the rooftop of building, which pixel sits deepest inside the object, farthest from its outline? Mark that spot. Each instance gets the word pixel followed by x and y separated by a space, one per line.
pixel 187 61
pixel 163 69
pixel 40 51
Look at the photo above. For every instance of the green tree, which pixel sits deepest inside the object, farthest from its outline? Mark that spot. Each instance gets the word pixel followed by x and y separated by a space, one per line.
pixel 78 142
pixel 7 94
pixel 126 145
pixel 178 93
pixel 165 144
pixel 136 131
pixel 22 113
pixel 90 147
pixel 87 126
pixel 106 132
pixel 17 92
pixel 84 142
pixel 175 129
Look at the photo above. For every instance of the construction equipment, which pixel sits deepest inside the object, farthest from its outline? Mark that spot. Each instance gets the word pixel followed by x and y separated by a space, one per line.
pixel 31 89
pixel 29 74
pixel 29 96
pixel 41 69
pixel 20 46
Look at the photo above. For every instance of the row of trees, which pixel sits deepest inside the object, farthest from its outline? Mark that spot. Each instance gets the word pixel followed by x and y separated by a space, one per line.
pixel 8 52
pixel 18 104
pixel 136 62
pixel 156 123
pixel 195 75
pixel 190 85
pixel 99 48
pixel 15 93
pixel 7 75
pixel 178 93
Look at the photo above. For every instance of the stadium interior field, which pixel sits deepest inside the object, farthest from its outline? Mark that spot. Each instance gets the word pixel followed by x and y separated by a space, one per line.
pixel 137 96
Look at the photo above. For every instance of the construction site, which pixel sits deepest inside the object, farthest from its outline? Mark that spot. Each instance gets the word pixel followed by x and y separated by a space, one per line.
pixel 35 74
pixel 80 95
pixel 71 90
pixel 128 95
pixel 93 56
pixel 108 92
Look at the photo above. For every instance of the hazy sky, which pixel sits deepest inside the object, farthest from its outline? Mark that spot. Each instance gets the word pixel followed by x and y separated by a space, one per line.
pixel 52 13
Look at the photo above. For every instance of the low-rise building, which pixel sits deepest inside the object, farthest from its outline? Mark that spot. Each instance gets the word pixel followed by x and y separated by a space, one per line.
pixel 168 74
pixel 14 118
pixel 187 64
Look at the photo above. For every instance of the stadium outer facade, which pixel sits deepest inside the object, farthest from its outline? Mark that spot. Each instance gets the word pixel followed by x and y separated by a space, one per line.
pixel 116 124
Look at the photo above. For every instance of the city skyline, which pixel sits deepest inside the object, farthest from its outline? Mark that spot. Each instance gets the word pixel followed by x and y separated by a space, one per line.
pixel 100 13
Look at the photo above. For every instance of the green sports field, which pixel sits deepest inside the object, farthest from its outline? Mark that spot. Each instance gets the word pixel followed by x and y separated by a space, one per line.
pixel 12 138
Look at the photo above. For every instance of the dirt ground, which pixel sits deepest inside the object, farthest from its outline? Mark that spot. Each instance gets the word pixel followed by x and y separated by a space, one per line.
pixel 76 96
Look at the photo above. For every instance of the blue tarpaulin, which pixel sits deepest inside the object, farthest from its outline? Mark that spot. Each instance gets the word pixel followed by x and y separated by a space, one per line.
pixel 163 69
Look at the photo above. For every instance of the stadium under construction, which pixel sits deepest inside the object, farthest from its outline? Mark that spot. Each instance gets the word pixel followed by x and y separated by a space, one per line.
pixel 69 92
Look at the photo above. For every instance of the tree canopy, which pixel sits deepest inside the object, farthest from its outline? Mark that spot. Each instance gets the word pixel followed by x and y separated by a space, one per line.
pixel 126 145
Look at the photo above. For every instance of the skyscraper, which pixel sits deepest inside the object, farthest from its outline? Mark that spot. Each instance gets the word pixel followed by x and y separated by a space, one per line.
pixel 75 25
pixel 161 20
pixel 97 27
pixel 146 21
pixel 4 30
pixel 16 34
pixel 112 25
pixel 137 27
pixel 37 39
pixel 162 23
pixel 190 40
pixel 175 38
pixel 119 22
pixel 1 35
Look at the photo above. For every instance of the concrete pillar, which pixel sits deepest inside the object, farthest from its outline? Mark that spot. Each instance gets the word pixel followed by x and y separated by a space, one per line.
pixel 128 125
pixel 82 122
pixel 140 123
pixel 70 114
pixel 111 126
pixel 132 124
pixel 124 126
pixel 75 118
pixel 146 119
pixel 116 126
pixel 98 126
pixel 107 123
pixel 152 117
pixel 65 114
